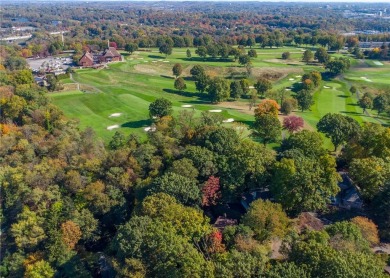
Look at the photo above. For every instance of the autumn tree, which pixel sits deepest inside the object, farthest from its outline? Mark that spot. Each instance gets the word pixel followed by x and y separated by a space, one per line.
pixel 293 123
pixel 211 192
pixel 267 106
pixel 71 233
pixel 368 229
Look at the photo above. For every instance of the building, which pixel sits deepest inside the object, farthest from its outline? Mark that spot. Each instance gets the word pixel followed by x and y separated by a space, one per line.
pixel 86 60
pixel 110 55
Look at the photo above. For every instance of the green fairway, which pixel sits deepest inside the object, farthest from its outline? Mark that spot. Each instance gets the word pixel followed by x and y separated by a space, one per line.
pixel 126 89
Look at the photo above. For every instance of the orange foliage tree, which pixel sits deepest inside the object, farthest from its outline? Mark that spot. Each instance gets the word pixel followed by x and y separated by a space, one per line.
pixel 368 228
pixel 71 233
pixel 267 106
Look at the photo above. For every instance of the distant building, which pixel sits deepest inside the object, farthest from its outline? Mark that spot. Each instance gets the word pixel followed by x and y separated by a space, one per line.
pixel 86 60
pixel 348 197
pixel 109 55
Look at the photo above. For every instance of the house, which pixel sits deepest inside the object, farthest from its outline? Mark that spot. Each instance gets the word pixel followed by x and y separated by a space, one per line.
pixel 349 196
pixel 110 55
pixel 86 60
pixel 249 197
pixel 222 222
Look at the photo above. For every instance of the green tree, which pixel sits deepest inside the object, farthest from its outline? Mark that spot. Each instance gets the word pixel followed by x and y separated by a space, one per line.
pixel 177 70
pixel 180 84
pixel 201 51
pixel 338 128
pixel 287 269
pixel 262 86
pixel 380 207
pixel 39 269
pixel 267 127
pixel 365 102
pixel 370 174
pixel 322 55
pixel 307 56
pixel 236 90
pixel 188 53
pixel 244 60
pixel 309 143
pixel 165 49
pixel 288 106
pixel 28 231
pixel 218 89
pixel 304 99
pixel 202 82
pixel 160 107
pixel 196 71
pixel 118 141
pixel 252 53
pixel 266 219
pixel 380 103
pixel 302 183
pixel 338 65
pixel 184 167
pixel 286 55
pixel 131 47
pixel 185 190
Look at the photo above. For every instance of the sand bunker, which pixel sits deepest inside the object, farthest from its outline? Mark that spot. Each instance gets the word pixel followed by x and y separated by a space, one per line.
pixel 230 120
pixel 298 76
pixel 291 79
pixel 186 105
pixel 251 87
pixel 366 79
pixel 154 61
pixel 326 87
pixel 378 63
pixel 287 89
pixel 149 128
pixel 166 61
pixel 111 127
pixel 215 111
pixel 140 58
pixel 115 115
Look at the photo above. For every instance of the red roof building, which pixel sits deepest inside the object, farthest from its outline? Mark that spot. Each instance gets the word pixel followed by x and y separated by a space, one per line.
pixel 86 60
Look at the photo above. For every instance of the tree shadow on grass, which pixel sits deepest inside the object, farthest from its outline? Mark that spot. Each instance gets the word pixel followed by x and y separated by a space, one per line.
pixel 352 113
pixel 156 57
pixel 353 104
pixel 209 59
pixel 137 124
pixel 183 93
pixel 343 96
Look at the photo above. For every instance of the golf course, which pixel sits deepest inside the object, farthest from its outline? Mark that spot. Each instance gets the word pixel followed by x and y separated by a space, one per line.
pixel 118 97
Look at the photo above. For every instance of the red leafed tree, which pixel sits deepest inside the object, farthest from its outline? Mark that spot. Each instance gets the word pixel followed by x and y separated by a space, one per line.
pixel 211 192
pixel 214 242
pixel 293 123
pixel 113 44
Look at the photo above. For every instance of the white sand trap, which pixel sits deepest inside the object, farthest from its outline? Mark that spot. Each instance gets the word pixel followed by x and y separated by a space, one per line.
pixel 115 115
pixel 287 89
pixel 291 79
pixel 230 120
pixel 326 87
pixel 131 59
pixel 186 105
pixel 298 76
pixel 366 79
pixel 166 61
pixel 154 61
pixel 140 58
pixel 149 128
pixel 303 50
pixel 215 111
pixel 300 82
pixel 378 63
pixel 111 127
pixel 146 61
pixel 251 87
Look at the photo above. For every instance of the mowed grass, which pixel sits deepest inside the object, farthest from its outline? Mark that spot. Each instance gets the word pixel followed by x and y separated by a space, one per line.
pixel 129 87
